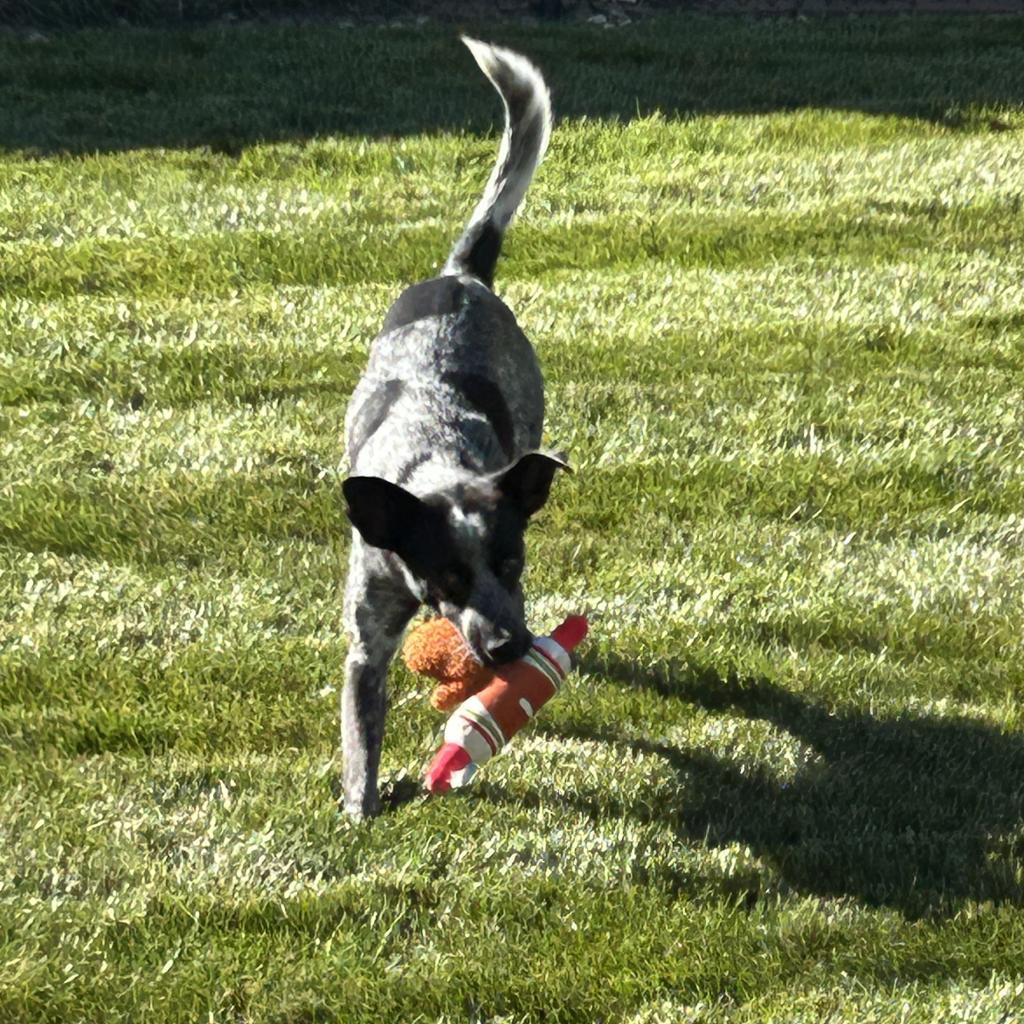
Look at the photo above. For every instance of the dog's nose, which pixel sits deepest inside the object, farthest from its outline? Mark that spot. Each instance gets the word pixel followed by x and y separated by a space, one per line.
pixel 503 647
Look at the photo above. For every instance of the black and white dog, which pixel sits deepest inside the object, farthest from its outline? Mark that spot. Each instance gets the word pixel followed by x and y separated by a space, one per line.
pixel 441 433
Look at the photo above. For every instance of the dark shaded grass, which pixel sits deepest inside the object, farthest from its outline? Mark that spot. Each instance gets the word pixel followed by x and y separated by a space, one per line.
pixel 188 376
pixel 230 87
pixel 649 932
pixel 253 698
pixel 178 520
pixel 183 519
pixel 907 811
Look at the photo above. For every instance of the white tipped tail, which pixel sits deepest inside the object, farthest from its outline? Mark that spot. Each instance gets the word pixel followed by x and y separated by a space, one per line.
pixel 527 129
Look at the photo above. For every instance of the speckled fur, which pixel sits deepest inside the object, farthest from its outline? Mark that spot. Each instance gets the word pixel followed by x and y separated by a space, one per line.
pixel 448 402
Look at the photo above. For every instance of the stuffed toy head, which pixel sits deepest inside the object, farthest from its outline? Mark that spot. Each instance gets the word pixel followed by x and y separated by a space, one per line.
pixel 435 648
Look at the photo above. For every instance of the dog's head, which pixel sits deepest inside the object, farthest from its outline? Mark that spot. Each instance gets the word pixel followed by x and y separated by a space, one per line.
pixel 461 548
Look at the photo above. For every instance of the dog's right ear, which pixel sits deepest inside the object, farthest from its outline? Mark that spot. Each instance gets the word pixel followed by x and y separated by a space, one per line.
pixel 385 514
pixel 527 482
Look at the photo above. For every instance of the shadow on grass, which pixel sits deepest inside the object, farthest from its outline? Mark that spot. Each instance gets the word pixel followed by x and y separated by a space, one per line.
pixel 229 87
pixel 915 813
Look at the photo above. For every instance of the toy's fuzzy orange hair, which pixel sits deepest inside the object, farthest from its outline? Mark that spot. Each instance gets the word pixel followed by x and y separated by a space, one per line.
pixel 435 648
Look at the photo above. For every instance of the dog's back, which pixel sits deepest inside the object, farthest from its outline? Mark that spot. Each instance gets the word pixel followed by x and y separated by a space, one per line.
pixel 451 374
pixel 460 387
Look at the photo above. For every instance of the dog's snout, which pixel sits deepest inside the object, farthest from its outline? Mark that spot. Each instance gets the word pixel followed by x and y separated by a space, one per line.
pixel 505 646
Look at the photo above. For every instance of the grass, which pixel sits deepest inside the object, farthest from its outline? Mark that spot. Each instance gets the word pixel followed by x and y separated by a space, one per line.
pixel 781 326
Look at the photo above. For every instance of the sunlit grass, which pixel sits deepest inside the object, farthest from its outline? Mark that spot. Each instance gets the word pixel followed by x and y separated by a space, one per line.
pixel 783 348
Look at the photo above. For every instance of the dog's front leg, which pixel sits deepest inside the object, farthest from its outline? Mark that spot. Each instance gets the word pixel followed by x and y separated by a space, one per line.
pixel 375 616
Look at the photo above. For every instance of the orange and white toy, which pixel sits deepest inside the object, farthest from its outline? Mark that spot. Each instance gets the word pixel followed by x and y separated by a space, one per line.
pixel 484 723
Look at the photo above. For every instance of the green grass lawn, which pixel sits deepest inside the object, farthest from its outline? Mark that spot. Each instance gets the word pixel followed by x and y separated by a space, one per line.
pixel 782 324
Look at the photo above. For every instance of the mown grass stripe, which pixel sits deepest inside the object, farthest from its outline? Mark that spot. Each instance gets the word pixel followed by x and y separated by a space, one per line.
pixel 222 263
pixel 781 349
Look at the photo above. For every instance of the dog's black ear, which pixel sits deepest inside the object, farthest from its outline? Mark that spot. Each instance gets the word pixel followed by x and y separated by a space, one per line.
pixel 385 514
pixel 528 482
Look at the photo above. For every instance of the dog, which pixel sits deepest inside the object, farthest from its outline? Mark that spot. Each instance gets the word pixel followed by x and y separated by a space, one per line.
pixel 442 434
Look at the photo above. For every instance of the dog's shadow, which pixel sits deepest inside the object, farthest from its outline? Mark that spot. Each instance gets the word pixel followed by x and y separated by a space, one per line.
pixel 916 813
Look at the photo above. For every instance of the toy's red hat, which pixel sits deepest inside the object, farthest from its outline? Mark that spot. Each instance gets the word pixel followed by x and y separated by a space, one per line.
pixel 570 634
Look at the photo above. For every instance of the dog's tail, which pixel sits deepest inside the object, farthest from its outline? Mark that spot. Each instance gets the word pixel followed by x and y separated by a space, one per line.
pixel 527 128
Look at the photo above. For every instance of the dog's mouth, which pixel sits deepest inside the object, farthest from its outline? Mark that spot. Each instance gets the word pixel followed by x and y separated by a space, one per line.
pixel 506 657
pixel 500 647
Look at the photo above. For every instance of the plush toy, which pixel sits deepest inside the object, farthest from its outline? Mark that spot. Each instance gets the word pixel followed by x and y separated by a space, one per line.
pixel 504 701
pixel 435 648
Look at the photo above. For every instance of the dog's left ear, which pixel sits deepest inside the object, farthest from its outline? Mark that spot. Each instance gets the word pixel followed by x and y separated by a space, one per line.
pixel 386 515
pixel 527 482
